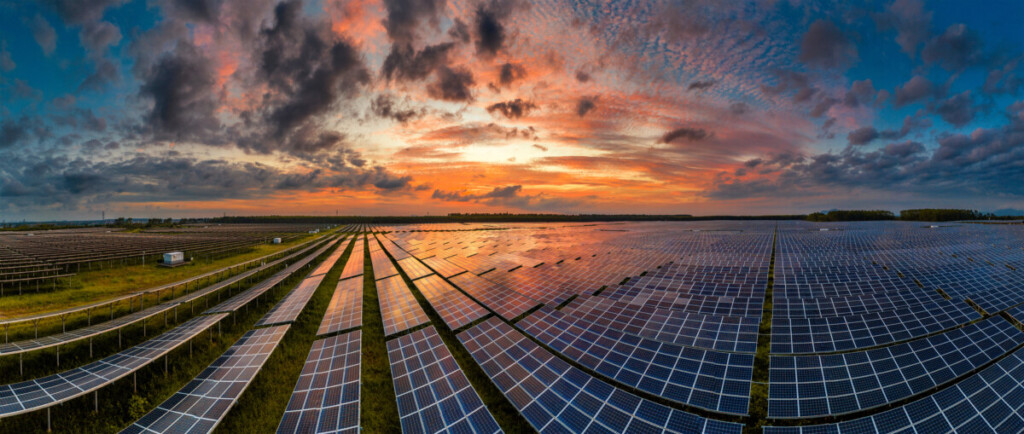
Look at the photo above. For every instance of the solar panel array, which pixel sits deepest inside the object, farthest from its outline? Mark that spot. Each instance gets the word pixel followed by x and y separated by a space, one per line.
pixel 203 402
pixel 988 402
pixel 433 393
pixel 499 298
pixel 346 308
pixel 44 392
pixel 455 308
pixel 809 386
pixel 557 397
pixel 398 307
pixel 289 308
pixel 326 398
pixel 708 379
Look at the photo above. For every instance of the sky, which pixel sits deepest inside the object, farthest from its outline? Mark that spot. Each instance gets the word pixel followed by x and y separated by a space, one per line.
pixel 188 108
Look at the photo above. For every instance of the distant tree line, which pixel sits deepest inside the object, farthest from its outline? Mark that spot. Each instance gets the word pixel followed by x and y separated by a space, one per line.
pixel 920 215
pixel 851 216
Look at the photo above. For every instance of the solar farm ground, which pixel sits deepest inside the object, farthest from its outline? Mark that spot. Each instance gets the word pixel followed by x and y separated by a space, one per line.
pixel 611 327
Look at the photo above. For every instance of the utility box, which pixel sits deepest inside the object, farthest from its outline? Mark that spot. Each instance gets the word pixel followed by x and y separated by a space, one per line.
pixel 173 258
pixel 277 241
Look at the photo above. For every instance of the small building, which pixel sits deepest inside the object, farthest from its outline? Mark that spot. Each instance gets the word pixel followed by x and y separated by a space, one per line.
pixel 277 241
pixel 174 258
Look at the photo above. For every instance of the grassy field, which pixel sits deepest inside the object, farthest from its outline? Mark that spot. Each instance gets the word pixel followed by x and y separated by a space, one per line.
pixel 120 404
pixel 97 285
pixel 378 408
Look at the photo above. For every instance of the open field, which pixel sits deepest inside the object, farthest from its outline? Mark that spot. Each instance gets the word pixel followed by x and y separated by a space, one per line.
pixel 719 326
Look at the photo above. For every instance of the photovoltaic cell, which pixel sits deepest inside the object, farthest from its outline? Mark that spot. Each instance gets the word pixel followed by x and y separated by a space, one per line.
pixel 44 392
pixel 442 267
pixel 326 398
pixel 346 308
pixel 398 307
pixel 557 397
pixel 499 298
pixel 433 393
pixel 203 402
pixel 454 307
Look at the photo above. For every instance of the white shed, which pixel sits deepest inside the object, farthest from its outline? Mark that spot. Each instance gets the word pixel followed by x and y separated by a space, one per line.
pixel 277 241
pixel 172 258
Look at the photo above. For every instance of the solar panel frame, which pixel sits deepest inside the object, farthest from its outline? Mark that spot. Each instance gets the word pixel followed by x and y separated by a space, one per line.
pixel 327 396
pixel 431 390
pixel 398 307
pixel 345 310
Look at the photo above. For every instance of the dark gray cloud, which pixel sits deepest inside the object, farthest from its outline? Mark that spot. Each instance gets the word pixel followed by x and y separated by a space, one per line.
pixel 508 196
pixel 916 89
pixel 684 134
pixel 911 22
pixel 585 105
pixel 405 63
pixel 542 148
pixel 386 106
pixel 701 85
pixel 865 135
pixel 452 84
pixel 44 34
pixel 510 72
pixel 106 73
pixel 490 26
pixel 460 31
pixel 514 109
pixel 404 17
pixel 193 10
pixel 958 109
pixel 739 108
pixel 955 49
pixel 826 46
pixel 182 87
pixel 582 76
pixel 98 36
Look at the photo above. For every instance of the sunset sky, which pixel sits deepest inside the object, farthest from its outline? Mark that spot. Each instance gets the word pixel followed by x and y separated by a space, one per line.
pixel 180 108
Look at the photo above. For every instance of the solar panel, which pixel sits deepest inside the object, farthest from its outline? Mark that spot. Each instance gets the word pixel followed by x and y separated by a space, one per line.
pixel 326 398
pixel 382 266
pixel 708 379
pixel 398 307
pixel 499 298
pixel 328 263
pixel 354 266
pixel 414 268
pixel 557 397
pixel 455 308
pixel 809 386
pixel 203 402
pixel 45 392
pixel 346 308
pixel 433 393
pixel 989 401
pixel 442 267
pixel 289 308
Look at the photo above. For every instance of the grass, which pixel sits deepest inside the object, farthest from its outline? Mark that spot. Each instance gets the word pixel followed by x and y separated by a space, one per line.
pixel 120 404
pixel 378 409
pixel 98 285
pixel 262 405
pixel 762 359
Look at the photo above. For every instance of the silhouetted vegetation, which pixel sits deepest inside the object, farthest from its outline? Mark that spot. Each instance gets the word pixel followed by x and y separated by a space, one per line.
pixel 851 216
pixel 941 215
